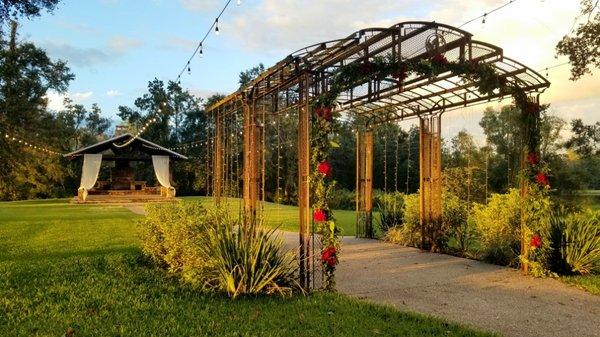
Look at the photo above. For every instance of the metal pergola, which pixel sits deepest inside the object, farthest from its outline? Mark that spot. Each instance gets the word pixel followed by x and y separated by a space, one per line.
pixel 295 81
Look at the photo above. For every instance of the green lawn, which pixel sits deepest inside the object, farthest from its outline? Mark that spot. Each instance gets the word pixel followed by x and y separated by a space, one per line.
pixel 590 283
pixel 78 267
pixel 286 217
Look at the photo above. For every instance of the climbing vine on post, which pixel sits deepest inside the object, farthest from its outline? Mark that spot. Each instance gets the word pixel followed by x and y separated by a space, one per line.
pixel 321 178
pixel 484 78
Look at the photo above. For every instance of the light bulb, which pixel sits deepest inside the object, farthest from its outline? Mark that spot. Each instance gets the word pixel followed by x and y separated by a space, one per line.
pixel 217 26
pixel 239 2
pixel 201 53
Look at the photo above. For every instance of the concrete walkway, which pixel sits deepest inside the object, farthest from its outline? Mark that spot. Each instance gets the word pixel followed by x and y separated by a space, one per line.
pixel 474 293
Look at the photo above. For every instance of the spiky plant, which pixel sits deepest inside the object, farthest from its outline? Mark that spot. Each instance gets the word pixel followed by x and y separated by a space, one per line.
pixel 248 261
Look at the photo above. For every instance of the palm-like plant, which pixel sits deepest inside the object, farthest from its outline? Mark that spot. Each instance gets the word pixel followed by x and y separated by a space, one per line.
pixel 248 261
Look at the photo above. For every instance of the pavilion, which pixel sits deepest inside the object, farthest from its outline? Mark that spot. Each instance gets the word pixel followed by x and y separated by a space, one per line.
pixel 121 186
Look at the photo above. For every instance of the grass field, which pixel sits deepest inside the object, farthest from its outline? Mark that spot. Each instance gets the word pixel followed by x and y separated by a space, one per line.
pixel 283 216
pixel 77 270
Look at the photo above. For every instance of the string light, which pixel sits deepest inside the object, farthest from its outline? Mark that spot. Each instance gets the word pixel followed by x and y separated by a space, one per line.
pixel 238 2
pixel 28 144
pixel 200 45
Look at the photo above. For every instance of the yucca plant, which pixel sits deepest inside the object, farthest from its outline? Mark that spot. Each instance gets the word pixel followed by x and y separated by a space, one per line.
pixel 582 243
pixel 248 261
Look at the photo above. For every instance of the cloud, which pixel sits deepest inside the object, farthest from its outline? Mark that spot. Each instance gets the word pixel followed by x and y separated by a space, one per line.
pixel 283 26
pixel 56 100
pixel 121 44
pixel 113 93
pixel 203 93
pixel 82 96
pixel 186 45
pixel 200 5
pixel 90 57
pixel 81 57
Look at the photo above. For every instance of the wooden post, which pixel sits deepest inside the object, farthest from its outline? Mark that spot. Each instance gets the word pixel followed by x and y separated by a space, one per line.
pixel 218 159
pixel 364 184
pixel 251 149
pixel 303 181
pixel 430 165
pixel 359 185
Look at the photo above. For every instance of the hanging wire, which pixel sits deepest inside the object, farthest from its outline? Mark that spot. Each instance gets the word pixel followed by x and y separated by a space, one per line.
pixel 215 26
pixel 385 154
pixel 397 158
pixel 485 15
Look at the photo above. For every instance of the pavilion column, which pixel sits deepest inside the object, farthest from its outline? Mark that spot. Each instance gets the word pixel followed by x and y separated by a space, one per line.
pixel 218 159
pixel 303 181
pixel 364 184
pixel 251 177
pixel 430 192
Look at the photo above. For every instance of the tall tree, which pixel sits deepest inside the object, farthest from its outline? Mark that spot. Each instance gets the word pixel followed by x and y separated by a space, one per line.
pixel 585 139
pixel 583 45
pixel 13 9
pixel 248 75
pixel 26 75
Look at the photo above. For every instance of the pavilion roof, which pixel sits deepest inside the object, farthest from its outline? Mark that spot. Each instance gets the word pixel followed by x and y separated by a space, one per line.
pixel 122 144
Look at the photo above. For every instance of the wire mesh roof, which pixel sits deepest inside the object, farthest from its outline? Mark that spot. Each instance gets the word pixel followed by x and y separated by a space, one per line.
pixel 386 99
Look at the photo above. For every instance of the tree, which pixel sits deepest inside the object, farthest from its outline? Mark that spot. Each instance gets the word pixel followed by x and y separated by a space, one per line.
pixel 26 75
pixel 248 75
pixel 583 48
pixel 585 140
pixel 12 9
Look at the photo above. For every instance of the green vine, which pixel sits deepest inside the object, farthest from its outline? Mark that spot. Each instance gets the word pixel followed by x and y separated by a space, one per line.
pixel 484 78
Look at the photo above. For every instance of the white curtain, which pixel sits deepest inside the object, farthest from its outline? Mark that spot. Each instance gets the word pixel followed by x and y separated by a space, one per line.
pixel 89 173
pixel 161 170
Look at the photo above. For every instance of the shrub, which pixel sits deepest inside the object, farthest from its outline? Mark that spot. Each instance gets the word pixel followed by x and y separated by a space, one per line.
pixel 208 249
pixel 582 249
pixel 575 243
pixel 170 233
pixel 409 233
pixel 249 262
pixel 499 226
pixel 391 210
pixel 342 199
pixel 454 216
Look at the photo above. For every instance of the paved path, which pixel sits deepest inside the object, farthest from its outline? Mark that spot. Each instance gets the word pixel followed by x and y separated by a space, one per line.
pixel 482 295
pixel 474 293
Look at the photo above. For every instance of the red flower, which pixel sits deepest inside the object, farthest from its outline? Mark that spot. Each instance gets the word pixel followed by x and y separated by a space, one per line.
pixel 401 74
pixel 325 113
pixel 319 215
pixel 536 241
pixel 365 68
pixel 532 108
pixel 324 168
pixel 533 158
pixel 439 59
pixel 542 179
pixel 329 256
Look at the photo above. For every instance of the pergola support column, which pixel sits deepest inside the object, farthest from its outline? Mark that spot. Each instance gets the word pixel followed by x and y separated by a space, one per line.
pixel 251 177
pixel 218 159
pixel 364 184
pixel 430 192
pixel 303 181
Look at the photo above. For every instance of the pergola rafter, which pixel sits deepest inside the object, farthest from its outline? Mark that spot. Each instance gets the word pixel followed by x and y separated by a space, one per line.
pixel 294 82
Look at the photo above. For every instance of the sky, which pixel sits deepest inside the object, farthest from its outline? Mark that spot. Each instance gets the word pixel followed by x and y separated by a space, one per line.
pixel 115 47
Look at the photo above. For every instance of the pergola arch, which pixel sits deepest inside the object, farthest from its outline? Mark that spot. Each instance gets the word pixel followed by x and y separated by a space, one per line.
pixel 295 81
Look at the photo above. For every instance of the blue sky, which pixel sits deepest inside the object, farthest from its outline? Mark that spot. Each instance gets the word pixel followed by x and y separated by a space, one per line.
pixel 115 47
